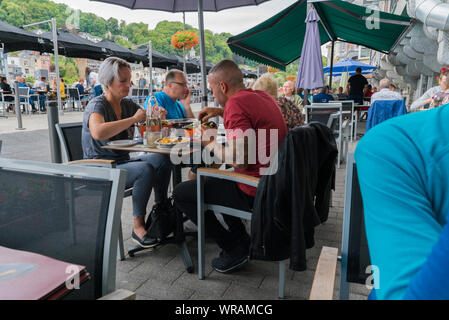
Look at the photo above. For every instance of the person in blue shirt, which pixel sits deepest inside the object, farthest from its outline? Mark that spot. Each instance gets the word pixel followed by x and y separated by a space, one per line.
pixel 403 171
pixel 175 97
pixel 322 97
pixel 22 84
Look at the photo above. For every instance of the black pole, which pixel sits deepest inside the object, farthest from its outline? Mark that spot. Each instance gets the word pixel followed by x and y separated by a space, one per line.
pixel 332 65
pixel 53 118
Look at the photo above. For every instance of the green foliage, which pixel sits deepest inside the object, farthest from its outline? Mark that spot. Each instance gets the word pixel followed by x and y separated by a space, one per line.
pixel 21 12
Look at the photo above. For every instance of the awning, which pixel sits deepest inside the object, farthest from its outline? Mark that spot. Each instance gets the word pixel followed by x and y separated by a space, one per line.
pixel 14 39
pixel 278 41
pixel 74 46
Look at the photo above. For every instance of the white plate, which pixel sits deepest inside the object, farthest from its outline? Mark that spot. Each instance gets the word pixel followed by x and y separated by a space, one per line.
pixel 122 143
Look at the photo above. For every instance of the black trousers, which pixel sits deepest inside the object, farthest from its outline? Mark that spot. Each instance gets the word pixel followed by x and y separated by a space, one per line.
pixel 218 192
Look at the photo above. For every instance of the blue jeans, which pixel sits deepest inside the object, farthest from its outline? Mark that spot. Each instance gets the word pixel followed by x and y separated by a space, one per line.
pixel 151 170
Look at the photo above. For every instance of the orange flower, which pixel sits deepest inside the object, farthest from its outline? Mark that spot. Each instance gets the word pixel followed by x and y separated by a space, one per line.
pixel 184 39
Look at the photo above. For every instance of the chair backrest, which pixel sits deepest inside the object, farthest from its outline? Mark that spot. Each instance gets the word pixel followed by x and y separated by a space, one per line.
pixel 381 110
pixel 69 135
pixel 24 91
pixel 69 213
pixel 347 108
pixel 354 252
pixel 320 112
pixel 134 92
pixel 145 92
pixel 74 93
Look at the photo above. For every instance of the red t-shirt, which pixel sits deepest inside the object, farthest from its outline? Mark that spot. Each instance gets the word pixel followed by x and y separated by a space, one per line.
pixel 256 110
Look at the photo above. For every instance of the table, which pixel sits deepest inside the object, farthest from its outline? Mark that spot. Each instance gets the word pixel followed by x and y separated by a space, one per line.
pixel 29 276
pixel 176 180
pixel 141 148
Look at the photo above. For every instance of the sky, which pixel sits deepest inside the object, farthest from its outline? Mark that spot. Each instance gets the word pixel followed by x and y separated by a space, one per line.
pixel 233 21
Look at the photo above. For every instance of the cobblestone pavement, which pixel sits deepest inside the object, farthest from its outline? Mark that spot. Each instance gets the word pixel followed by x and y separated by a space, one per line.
pixel 160 274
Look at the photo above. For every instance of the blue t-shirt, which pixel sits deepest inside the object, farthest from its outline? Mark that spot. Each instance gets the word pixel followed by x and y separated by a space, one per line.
pixel 322 98
pixel 80 88
pixel 403 170
pixel 175 109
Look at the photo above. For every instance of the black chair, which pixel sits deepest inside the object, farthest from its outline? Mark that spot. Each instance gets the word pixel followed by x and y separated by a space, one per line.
pixel 72 150
pixel 69 213
pixel 74 98
pixel 355 258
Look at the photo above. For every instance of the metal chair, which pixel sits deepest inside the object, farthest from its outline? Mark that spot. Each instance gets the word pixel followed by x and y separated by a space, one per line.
pixel 203 207
pixel 322 112
pixel 24 94
pixel 69 213
pixel 69 135
pixel 74 98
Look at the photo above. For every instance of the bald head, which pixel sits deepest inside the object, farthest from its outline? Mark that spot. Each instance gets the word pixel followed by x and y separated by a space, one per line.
pixel 228 72
pixel 384 83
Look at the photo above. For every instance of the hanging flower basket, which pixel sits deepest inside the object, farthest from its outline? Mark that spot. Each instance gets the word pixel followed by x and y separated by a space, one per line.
pixel 273 69
pixel 184 39
pixel 291 77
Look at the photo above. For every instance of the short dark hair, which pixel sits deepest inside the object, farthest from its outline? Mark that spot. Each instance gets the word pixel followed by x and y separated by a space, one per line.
pixel 358 70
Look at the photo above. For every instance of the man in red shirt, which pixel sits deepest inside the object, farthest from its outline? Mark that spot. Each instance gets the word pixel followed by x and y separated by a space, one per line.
pixel 254 129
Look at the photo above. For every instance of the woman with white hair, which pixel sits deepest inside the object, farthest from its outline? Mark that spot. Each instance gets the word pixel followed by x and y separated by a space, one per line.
pixel 291 113
pixel 112 116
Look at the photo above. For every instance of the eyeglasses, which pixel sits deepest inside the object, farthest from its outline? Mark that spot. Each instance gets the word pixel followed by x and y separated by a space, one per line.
pixel 183 84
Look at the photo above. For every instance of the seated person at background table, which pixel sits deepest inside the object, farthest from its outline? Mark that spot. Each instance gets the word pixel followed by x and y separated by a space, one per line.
pixel 96 89
pixel 6 89
pixel 174 97
pixel 355 86
pixel 441 97
pixel 426 98
pixel 42 87
pixel 321 96
pixel 61 87
pixel 22 84
pixel 289 94
pixel 243 109
pixel 368 91
pixel 385 93
pixel 392 87
pixel 82 92
pixel 403 171
pixel 342 95
pixel 292 115
pixel 112 117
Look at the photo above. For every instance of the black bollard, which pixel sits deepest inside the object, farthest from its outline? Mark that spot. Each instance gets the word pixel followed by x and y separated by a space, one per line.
pixel 53 118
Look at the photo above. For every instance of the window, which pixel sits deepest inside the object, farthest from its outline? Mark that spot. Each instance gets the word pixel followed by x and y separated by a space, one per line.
pixel 364 53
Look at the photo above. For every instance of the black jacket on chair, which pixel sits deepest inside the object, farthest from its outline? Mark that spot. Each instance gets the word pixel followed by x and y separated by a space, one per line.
pixel 290 203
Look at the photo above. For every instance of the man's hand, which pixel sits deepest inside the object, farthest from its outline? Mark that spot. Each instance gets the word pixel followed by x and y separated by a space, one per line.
pixel 209 112
pixel 186 100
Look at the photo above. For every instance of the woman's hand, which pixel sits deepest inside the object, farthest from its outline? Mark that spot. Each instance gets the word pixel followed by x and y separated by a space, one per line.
pixel 163 113
pixel 140 116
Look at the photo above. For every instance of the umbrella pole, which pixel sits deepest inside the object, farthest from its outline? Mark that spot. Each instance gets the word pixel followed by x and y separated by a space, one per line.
pixel 150 59
pixel 203 54
pixel 332 65
pixel 184 49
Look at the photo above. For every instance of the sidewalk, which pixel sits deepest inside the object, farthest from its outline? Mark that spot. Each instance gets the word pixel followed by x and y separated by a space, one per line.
pixel 160 274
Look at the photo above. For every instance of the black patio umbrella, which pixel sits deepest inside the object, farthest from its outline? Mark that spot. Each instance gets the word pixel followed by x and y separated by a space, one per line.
pixel 14 39
pixel 191 66
pixel 159 60
pixel 121 52
pixel 74 46
pixel 188 6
